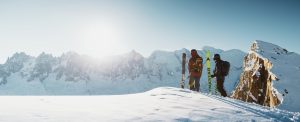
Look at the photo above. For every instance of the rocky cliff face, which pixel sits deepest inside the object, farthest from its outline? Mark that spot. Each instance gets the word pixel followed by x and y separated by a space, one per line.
pixel 256 81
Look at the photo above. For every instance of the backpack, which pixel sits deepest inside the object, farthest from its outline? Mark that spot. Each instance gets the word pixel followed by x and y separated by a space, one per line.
pixel 225 68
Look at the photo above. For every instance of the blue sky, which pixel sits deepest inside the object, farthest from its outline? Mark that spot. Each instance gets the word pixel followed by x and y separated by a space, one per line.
pixel 100 28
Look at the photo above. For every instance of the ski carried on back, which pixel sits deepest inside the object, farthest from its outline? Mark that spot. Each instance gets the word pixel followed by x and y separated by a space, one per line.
pixel 208 70
pixel 183 70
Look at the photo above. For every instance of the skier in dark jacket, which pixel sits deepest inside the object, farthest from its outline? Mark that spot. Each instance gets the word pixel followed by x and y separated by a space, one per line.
pixel 219 74
pixel 195 70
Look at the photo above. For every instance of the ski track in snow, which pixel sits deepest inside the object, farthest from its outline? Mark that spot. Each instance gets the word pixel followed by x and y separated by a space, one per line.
pixel 268 113
pixel 160 104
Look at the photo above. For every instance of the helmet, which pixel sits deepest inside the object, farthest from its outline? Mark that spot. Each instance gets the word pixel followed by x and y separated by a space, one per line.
pixel 217 56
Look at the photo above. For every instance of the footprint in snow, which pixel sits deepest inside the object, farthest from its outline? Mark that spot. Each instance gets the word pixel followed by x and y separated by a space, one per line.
pixel 238 112
pixel 182 90
pixel 183 120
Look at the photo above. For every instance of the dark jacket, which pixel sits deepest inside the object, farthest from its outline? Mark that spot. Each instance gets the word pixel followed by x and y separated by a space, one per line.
pixel 218 69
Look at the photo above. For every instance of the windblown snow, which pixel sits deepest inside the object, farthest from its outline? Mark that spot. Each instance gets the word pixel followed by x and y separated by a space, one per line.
pixel 160 104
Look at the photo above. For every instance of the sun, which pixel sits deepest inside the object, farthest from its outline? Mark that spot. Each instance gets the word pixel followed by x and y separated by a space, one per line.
pixel 101 39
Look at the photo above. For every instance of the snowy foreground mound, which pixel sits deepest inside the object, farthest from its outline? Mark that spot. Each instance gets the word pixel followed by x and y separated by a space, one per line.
pixel 160 104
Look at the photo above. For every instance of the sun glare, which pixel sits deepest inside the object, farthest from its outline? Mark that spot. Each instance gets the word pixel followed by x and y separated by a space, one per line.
pixel 101 40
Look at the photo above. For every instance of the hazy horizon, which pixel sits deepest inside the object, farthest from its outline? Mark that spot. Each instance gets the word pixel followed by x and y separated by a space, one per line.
pixel 103 28
pixel 57 55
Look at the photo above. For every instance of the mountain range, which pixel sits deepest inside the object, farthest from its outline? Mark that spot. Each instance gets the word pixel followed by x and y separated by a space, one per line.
pixel 75 74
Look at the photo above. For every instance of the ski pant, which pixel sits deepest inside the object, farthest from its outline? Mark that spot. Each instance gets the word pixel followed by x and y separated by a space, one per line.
pixel 220 85
pixel 194 83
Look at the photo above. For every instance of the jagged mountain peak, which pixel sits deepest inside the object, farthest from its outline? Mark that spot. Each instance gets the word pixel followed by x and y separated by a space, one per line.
pixel 18 57
pixel 256 81
pixel 45 56
pixel 183 50
pixel 277 67
pixel 212 49
pixel 157 52
pixel 69 54
pixel 263 47
pixel 134 55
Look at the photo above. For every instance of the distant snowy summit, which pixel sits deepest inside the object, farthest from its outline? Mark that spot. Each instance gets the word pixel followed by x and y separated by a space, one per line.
pixel 262 48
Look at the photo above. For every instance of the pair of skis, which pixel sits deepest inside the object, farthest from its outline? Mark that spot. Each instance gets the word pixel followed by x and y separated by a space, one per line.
pixel 183 70
pixel 208 71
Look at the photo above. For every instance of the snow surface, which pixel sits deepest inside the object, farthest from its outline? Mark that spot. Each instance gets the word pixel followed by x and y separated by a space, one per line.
pixel 160 104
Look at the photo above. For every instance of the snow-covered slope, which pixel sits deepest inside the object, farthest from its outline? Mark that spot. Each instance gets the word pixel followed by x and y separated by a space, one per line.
pixel 74 74
pixel 286 66
pixel 160 104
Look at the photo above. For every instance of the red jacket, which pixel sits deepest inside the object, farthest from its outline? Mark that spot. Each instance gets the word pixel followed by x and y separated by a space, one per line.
pixel 195 66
